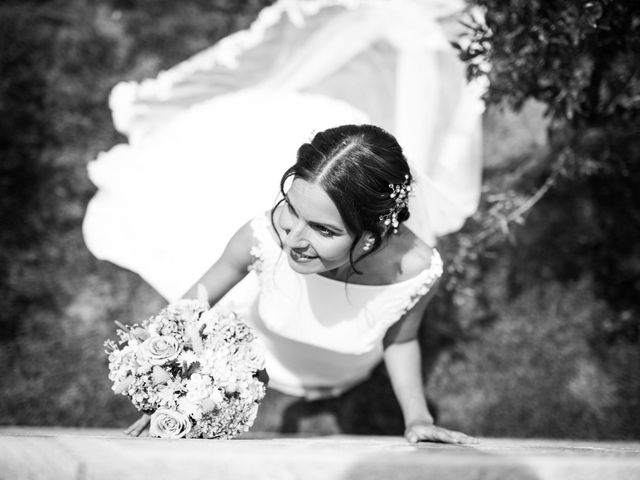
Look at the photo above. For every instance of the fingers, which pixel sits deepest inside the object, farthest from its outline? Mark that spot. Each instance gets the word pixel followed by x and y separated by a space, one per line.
pixel 412 436
pixel 136 428
pixel 432 433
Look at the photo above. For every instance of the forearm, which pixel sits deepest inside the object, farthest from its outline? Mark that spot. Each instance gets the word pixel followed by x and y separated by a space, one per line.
pixel 228 270
pixel 217 282
pixel 403 362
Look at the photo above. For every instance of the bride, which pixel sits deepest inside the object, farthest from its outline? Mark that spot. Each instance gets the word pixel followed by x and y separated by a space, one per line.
pixel 210 138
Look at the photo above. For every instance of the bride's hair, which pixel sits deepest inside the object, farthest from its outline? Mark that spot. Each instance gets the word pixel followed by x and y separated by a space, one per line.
pixel 356 166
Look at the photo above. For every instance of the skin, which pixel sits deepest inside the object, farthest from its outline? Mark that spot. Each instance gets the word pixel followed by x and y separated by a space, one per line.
pixel 315 238
pixel 317 241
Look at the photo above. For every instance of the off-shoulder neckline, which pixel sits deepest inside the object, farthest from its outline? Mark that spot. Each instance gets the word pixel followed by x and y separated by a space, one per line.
pixel 435 266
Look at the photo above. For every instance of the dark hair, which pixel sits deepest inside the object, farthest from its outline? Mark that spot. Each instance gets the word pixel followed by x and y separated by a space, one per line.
pixel 355 165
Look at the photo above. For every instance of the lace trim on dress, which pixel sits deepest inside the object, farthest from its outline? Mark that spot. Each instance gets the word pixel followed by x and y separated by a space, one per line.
pixel 262 237
pixel 427 280
pixel 431 276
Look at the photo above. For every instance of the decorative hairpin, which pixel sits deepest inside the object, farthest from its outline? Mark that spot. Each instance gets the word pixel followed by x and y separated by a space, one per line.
pixel 400 193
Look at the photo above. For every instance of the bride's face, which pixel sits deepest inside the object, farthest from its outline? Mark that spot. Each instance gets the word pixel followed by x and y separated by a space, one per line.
pixel 314 236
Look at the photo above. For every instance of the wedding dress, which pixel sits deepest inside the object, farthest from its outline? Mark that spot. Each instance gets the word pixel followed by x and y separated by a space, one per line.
pixel 321 336
pixel 210 138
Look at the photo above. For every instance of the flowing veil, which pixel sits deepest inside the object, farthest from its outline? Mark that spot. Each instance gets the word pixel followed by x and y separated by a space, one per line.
pixel 210 138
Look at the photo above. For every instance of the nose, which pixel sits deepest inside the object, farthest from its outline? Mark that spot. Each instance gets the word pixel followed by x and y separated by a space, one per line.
pixel 294 230
pixel 295 238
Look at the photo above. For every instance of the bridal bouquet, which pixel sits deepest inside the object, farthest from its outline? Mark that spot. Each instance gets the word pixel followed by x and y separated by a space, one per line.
pixel 194 369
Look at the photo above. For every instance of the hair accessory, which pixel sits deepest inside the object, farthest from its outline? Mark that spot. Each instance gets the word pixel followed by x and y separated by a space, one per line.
pixel 400 193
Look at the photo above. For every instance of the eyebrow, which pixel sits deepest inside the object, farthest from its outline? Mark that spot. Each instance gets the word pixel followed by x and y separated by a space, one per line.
pixel 327 225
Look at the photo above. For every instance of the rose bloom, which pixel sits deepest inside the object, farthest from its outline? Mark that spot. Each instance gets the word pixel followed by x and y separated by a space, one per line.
pixel 252 355
pixel 167 423
pixel 161 349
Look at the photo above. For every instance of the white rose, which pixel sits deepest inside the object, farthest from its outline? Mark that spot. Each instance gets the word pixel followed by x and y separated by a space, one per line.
pixel 167 423
pixel 252 355
pixel 161 349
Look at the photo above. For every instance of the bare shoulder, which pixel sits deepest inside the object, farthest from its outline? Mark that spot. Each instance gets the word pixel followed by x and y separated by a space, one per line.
pixel 246 234
pixel 239 245
pixel 412 255
pixel 401 258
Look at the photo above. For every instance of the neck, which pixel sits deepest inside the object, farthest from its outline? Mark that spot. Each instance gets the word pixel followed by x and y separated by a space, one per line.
pixel 361 260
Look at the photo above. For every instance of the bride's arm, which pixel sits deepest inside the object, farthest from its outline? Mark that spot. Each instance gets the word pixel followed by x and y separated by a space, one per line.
pixel 403 361
pixel 229 269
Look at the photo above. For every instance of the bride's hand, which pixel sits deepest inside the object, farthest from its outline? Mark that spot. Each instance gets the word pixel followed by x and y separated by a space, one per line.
pixel 428 432
pixel 136 428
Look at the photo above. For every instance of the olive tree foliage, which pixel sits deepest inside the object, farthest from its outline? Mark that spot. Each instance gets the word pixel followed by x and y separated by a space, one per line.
pixel 581 59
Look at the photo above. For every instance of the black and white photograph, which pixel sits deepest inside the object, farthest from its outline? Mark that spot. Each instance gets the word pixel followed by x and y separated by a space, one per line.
pixel 320 239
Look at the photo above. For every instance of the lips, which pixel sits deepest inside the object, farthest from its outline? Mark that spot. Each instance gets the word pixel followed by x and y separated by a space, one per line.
pixel 301 258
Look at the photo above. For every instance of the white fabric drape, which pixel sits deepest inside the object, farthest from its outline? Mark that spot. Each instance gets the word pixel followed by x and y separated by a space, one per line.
pixel 210 138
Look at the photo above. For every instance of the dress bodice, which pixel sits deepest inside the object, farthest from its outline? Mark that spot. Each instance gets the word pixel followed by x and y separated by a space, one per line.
pixel 323 332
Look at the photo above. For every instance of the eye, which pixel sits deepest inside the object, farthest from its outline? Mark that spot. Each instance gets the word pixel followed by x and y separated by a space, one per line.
pixel 325 232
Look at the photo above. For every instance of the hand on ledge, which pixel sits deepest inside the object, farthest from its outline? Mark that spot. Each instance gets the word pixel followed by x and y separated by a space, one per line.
pixel 428 432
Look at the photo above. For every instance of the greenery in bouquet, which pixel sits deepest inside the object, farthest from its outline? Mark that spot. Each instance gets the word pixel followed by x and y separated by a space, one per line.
pixel 194 369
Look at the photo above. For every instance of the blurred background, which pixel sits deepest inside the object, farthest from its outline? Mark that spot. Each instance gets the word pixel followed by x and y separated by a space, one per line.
pixel 536 329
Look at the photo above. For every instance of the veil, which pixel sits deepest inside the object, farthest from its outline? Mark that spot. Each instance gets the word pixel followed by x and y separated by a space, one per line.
pixel 210 137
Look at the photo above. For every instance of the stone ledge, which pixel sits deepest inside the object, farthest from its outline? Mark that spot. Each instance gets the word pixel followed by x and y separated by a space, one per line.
pixel 55 453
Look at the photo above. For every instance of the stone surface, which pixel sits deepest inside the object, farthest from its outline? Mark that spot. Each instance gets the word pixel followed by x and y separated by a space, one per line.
pixel 47 453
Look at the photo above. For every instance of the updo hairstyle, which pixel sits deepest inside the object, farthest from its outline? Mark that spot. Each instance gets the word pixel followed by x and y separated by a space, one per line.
pixel 354 165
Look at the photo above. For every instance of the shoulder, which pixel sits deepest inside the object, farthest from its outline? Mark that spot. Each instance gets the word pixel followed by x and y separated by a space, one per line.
pixel 262 236
pixel 418 258
pixel 256 229
pixel 255 233
pixel 402 257
pixel 410 255
pixel 265 226
pixel 239 246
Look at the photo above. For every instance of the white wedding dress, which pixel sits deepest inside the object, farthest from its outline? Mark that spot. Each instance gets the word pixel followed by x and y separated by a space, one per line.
pixel 210 138
pixel 321 336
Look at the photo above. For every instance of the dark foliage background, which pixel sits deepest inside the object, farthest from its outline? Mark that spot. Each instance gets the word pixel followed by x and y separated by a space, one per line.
pixel 535 331
pixel 581 59
pixel 563 220
pixel 58 62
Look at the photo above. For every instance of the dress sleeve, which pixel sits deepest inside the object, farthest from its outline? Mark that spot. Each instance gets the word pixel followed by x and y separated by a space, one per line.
pixel 261 241
pixel 418 289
